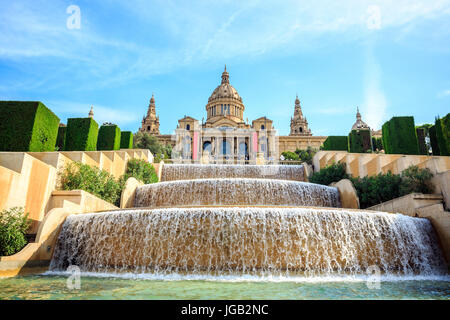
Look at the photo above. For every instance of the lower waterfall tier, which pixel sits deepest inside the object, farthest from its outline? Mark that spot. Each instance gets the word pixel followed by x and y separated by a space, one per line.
pixel 257 241
pixel 235 192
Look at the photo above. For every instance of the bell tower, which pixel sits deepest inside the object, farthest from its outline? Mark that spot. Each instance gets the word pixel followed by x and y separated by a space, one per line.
pixel 150 123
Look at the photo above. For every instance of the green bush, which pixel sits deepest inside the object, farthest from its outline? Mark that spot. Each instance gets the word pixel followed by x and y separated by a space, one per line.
pixel 329 174
pixel 141 170
pixel 108 138
pixel 384 187
pixel 433 141
pixel 336 143
pixel 442 127
pixel 359 141
pixel 81 134
pixel 61 138
pixel 126 140
pixel 13 227
pixel 399 136
pixel 289 155
pixel 421 140
pixel 27 126
pixel 78 176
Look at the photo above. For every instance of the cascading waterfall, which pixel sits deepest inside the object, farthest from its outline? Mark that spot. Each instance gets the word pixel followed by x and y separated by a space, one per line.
pixel 255 241
pixel 237 223
pixel 171 172
pixel 236 192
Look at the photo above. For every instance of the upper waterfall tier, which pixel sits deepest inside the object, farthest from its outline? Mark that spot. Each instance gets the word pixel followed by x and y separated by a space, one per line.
pixel 171 172
pixel 258 241
pixel 266 192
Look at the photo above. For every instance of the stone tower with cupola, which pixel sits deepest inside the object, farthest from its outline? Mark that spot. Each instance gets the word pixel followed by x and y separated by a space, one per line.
pixel 150 122
pixel 299 124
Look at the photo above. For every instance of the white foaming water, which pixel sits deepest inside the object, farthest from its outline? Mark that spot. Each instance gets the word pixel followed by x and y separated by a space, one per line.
pixel 248 243
pixel 236 192
pixel 173 172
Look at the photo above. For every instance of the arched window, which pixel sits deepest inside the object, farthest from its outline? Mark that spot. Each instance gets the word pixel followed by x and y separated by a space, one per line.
pixel 262 127
pixel 148 128
pixel 188 127
pixel 301 129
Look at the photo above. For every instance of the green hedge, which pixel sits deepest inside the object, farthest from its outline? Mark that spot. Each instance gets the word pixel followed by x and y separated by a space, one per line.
pixel 81 134
pixel 399 136
pixel 27 126
pixel 359 141
pixel 61 138
pixel 336 143
pixel 332 173
pixel 433 141
pixel 421 140
pixel 377 144
pixel 108 138
pixel 442 127
pixel 126 140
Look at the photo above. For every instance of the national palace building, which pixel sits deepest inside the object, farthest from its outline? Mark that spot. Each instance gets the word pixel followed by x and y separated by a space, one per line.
pixel 225 134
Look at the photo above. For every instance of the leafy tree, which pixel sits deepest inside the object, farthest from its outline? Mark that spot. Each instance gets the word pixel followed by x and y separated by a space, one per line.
pixel 306 155
pixel 141 170
pixel 289 155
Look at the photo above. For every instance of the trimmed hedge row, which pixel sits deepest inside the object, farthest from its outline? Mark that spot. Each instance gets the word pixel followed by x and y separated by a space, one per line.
pixel 27 126
pixel 399 136
pixel 433 141
pixel 108 138
pixel 442 127
pixel 61 138
pixel 359 141
pixel 126 140
pixel 81 134
pixel 421 140
pixel 336 143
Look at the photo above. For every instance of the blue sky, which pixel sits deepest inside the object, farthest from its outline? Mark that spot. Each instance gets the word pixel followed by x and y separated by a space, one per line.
pixel 390 58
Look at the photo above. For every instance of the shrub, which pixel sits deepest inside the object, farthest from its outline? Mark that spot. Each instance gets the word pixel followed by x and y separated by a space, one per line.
pixel 336 143
pixel 329 174
pixel 376 189
pixel 442 127
pixel 359 141
pixel 415 179
pixel 399 136
pixel 384 187
pixel 433 141
pixel 27 126
pixel 93 180
pixel 126 140
pixel 61 138
pixel 108 138
pixel 141 170
pixel 13 227
pixel 81 134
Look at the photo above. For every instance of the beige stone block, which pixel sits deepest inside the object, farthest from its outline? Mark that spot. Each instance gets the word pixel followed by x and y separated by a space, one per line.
pixel 129 193
pixel 347 193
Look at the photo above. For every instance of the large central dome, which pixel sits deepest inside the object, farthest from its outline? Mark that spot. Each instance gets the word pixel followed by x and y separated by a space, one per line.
pixel 225 107
pixel 225 90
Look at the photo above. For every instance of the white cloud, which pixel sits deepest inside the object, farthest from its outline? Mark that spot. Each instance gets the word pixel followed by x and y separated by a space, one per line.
pixel 192 32
pixel 443 93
